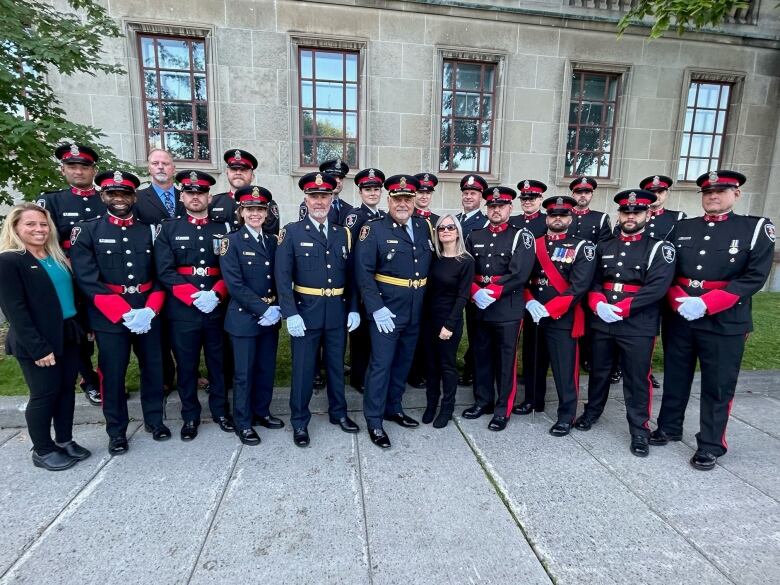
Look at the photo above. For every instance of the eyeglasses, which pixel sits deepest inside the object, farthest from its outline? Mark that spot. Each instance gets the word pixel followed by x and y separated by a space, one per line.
pixel 447 228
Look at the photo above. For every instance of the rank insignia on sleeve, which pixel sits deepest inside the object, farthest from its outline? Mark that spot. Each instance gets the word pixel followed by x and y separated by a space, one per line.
pixel 589 252
pixel 528 239
pixel 364 232
pixel 668 253
pixel 74 235
pixel 350 220
pixel 769 230
pixel 224 244
pixel 282 233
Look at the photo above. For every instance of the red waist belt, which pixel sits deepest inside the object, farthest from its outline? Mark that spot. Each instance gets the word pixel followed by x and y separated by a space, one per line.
pixel 486 279
pixel 198 271
pixel 620 287
pixel 705 284
pixel 130 290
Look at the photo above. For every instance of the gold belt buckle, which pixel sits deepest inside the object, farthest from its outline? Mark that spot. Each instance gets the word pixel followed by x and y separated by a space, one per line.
pixel 617 287
pixel 328 292
pixel 414 283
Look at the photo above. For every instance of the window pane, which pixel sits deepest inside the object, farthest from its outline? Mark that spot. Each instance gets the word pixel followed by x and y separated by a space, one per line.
pixel 307 152
pixel 716 147
pixel 696 167
pixel 447 75
pixel 351 125
pixel 352 97
pixel 484 160
pixel 147 52
pixel 701 144
pixel 198 56
pixel 490 73
pixel 308 123
pixel 152 114
pixel 595 87
pixel 467 105
pixel 173 53
pixel 574 110
pixel 468 77
pixel 464 158
pixel 204 153
pixel 592 113
pixel 306 70
pixel 570 160
pixel 484 132
pixel 444 158
pixel 603 165
pixel 180 145
pixel 587 164
pixel 588 138
pixel 704 121
pixel 708 96
pixel 200 88
pixel 686 142
pixel 724 96
pixel 465 132
pixel 150 84
pixel 329 65
pixel 692 94
pixel 154 140
pixel 487 107
pixel 177 116
pixel 330 124
pixel 352 67
pixel 446 131
pixel 351 157
pixel 571 140
pixel 203 117
pixel 606 139
pixel 688 124
pixel 721 122
pixel 446 103
pixel 176 86
pixel 613 87
pixel 307 95
pixel 576 81
pixel 329 149
pixel 330 95
pixel 610 119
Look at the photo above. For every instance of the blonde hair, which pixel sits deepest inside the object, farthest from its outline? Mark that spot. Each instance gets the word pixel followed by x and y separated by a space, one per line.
pixel 460 245
pixel 11 242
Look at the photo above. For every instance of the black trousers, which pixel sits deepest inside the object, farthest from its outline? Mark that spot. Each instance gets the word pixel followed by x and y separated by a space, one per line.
pixel 187 339
pixel 471 327
pixel 557 349
pixel 720 358
pixel 113 358
pixel 304 366
pixel 442 373
pixel 253 380
pixel 419 368
pixel 86 350
pixel 166 352
pixel 636 354
pixel 495 350
pixel 52 399
pixel 391 358
pixel 227 362
pixel 360 352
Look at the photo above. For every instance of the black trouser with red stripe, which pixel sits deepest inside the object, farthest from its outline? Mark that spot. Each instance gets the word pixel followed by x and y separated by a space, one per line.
pixel 555 348
pixel 720 357
pixel 495 360
pixel 113 358
pixel 636 354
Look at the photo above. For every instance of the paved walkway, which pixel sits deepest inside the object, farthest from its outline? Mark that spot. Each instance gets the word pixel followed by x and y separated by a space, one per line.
pixel 457 505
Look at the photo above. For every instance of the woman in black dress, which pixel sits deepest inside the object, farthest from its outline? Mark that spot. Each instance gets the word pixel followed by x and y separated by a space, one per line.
pixel 447 292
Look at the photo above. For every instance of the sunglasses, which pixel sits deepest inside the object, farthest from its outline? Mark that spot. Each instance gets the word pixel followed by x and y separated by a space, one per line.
pixel 447 228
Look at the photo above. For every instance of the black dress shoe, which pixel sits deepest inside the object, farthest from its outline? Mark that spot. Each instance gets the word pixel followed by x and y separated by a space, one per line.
pixel 92 393
pixel 347 424
pixel 117 445
pixel 269 422
pixel 560 429
pixel 301 437
pixel 379 438
pixel 418 383
pixel 660 438
pixel 225 423
pixel 527 408
pixel 159 433
pixel 442 419
pixel 54 461
pixel 248 436
pixel 615 376
pixel 73 449
pixel 189 431
pixel 498 423
pixel 584 423
pixel 703 461
pixel 640 446
pixel 466 380
pixel 429 414
pixel 319 382
pixel 477 411
pixel 401 419
pixel 655 383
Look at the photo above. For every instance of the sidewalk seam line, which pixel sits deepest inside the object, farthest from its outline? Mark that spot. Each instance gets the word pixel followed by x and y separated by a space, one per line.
pixel 363 506
pixel 504 498
pixel 9 437
pixel 215 512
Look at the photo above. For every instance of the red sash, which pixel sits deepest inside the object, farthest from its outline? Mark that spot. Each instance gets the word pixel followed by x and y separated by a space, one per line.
pixel 559 284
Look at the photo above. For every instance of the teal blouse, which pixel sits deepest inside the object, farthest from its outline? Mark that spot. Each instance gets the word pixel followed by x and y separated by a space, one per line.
pixel 63 284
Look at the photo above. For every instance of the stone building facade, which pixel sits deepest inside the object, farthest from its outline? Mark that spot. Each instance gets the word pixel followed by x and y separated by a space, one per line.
pixel 512 89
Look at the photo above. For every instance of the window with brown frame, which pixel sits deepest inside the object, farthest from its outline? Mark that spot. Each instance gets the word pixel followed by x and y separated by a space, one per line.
pixel 703 129
pixel 590 138
pixel 468 96
pixel 329 86
pixel 175 96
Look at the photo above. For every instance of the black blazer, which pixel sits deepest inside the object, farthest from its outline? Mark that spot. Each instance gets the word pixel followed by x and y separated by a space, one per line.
pixel 31 305
pixel 150 210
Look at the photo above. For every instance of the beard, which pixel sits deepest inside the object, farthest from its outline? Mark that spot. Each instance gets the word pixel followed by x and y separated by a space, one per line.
pixel 319 213
pixel 629 230
pixel 557 228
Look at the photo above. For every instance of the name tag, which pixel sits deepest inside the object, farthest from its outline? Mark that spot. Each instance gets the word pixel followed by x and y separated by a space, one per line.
pixel 182 238
pixel 392 241
pixel 479 245
pixel 106 241
pixel 245 253
pixel 684 238
pixel 610 256
pixel 218 209
pixel 71 214
pixel 307 244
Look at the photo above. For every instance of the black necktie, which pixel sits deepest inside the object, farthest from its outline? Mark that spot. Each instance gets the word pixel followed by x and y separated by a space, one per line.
pixel 322 231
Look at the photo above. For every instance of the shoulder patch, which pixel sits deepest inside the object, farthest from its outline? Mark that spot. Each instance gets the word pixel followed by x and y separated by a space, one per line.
pixel 302 211
pixel 668 252
pixel 528 239
pixel 224 244
pixel 282 233
pixel 769 230
pixel 41 202
pixel 350 220
pixel 74 234
pixel 274 210
pixel 589 250
pixel 364 232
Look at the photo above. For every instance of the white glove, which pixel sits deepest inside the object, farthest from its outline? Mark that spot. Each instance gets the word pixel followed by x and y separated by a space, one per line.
pixel 608 313
pixel 353 321
pixel 691 308
pixel 272 316
pixel 295 326
pixel 483 298
pixel 142 321
pixel 128 317
pixel 537 310
pixel 205 300
pixel 384 320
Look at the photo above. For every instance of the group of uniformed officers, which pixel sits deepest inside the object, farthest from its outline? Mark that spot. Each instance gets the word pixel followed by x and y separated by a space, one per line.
pixel 179 271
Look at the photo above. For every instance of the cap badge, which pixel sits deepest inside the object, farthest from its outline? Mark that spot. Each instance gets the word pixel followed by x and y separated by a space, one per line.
pixel 526 184
pixel 713 177
pixel 255 192
pixel 656 181
pixel 584 181
pixel 427 178
pixel 371 173
pixel 318 180
pixel 237 155
pixel 74 150
pixel 559 201
pixel 402 183
pixel 193 176
pixel 117 176
pixel 470 181
pixel 632 198
pixel 496 193
pixel 337 166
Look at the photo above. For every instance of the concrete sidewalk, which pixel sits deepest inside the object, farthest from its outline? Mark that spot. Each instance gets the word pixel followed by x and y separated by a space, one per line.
pixel 456 505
